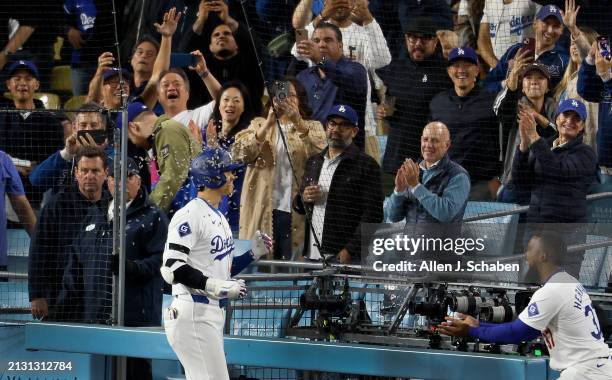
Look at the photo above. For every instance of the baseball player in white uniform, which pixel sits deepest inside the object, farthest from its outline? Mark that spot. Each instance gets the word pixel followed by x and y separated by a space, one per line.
pixel 561 311
pixel 199 261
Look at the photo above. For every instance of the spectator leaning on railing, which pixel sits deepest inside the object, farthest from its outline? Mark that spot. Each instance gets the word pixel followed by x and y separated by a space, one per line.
pixel 171 147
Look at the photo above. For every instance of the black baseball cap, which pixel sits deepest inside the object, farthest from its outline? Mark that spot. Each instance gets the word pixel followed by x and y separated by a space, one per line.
pixel 421 25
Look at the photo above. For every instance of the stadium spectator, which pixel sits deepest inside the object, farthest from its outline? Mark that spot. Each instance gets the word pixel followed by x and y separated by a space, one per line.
pixel 423 75
pixel 58 225
pixel 335 78
pixel 448 41
pixel 90 33
pixel 135 21
pixel 305 11
pixel 503 24
pixel 363 41
pixel 438 11
pixel 12 189
pixel 340 189
pixel 171 148
pixel 548 28
pixel 582 39
pixel 144 55
pixel 595 85
pixel 55 172
pixel 595 14
pixel 149 60
pixel 232 114
pixel 91 264
pixel 29 134
pixel 434 190
pixel 27 32
pixel 527 88
pixel 467 111
pixel 174 90
pixel 467 26
pixel 271 171
pixel 557 178
pixel 275 30
pixel 229 51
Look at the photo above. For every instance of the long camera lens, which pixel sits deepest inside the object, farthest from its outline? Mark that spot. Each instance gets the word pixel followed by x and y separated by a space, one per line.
pixel 497 314
pixel 469 304
pixel 429 310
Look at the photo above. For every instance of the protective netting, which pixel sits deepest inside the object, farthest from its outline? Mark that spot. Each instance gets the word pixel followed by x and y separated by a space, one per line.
pixel 325 103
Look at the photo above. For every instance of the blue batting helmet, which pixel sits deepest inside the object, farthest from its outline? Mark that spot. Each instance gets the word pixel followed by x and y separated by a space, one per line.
pixel 207 169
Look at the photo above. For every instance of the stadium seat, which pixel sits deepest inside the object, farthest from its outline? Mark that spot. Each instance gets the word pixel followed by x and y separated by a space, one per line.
pixel 50 101
pixel 75 102
pixel 61 79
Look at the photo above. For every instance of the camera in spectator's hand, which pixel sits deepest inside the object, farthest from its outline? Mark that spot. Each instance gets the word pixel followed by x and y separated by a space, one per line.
pixel 280 90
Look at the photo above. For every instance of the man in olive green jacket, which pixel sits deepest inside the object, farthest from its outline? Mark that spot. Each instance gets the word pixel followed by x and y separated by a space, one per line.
pixel 171 147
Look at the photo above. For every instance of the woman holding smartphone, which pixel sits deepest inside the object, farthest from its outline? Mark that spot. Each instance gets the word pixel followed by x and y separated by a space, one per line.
pixel 271 173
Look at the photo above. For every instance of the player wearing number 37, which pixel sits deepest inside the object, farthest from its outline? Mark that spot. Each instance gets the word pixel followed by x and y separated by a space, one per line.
pixel 561 310
pixel 199 261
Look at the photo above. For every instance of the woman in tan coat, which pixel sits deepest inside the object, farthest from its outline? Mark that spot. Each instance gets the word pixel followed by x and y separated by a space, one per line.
pixel 270 184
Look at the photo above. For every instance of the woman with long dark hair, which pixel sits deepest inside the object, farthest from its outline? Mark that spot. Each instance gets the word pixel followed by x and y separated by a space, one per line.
pixel 233 113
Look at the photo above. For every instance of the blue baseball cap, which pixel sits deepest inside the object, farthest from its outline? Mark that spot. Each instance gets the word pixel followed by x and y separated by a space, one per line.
pixel 548 11
pixel 133 110
pixel 114 71
pixel 573 105
pixel 132 167
pixel 464 53
pixel 345 112
pixel 23 65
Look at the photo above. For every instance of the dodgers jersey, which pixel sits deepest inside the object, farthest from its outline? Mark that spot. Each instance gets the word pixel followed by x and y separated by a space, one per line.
pixel 563 312
pixel 203 230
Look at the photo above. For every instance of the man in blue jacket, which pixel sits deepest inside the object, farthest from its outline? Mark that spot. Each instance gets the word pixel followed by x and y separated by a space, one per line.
pixel 548 28
pixel 440 194
pixel 91 265
pixel 333 79
pixel 595 85
pixel 55 172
